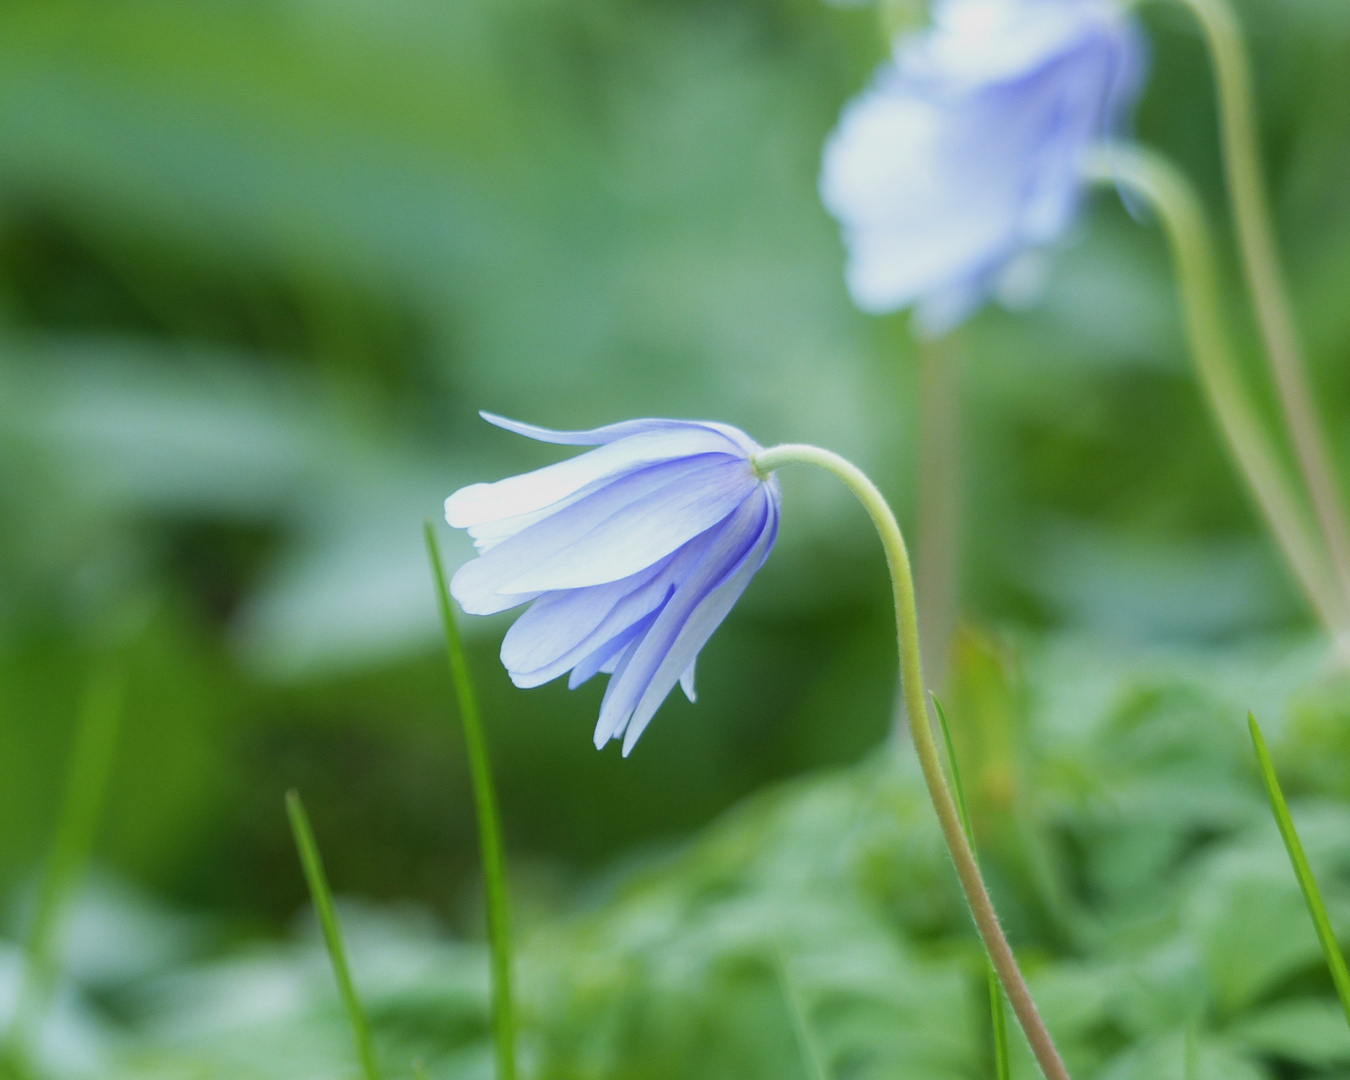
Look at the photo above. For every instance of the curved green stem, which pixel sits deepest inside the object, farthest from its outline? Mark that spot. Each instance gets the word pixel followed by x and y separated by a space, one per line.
pixel 1265 278
pixel 1174 200
pixel 911 678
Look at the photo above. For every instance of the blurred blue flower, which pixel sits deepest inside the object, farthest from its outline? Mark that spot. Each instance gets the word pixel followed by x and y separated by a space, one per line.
pixel 632 554
pixel 963 155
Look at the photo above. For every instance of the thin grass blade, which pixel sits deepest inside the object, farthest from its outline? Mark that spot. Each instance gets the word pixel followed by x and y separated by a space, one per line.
pixel 332 932
pixel 87 777
pixel 489 824
pixel 1311 894
pixel 999 1019
pixel 813 1061
pixel 997 1013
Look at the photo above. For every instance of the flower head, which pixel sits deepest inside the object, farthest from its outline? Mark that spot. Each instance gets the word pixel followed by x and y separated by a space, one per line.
pixel 632 554
pixel 964 153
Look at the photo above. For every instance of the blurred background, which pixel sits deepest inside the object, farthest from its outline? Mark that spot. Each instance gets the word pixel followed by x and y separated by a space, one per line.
pixel 261 263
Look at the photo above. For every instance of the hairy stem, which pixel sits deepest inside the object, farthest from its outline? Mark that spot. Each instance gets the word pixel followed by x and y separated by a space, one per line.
pixel 911 677
pixel 1265 277
pixel 998 1021
pixel 1173 198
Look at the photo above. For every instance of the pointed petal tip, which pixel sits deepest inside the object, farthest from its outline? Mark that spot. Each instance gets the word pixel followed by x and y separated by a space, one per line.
pixel 631 736
pixel 687 683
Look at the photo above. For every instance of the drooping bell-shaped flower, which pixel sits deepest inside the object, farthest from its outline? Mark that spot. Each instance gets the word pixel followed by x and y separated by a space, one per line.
pixel 630 556
pixel 964 153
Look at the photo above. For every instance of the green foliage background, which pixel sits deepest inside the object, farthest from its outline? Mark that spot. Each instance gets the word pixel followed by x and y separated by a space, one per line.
pixel 260 264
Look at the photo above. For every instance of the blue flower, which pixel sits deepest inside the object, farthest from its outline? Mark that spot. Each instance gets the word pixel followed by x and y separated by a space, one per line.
pixel 632 553
pixel 964 153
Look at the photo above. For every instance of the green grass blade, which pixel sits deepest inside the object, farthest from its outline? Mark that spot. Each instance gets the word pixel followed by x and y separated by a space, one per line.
pixel 1311 894
pixel 420 1070
pixel 960 788
pixel 489 825
pixel 997 1012
pixel 332 932
pixel 812 1059
pixel 999 1017
pixel 87 779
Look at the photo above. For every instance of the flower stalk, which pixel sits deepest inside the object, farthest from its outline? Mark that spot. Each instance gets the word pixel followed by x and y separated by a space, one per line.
pixel 1265 277
pixel 916 701
pixel 937 547
pixel 1173 199
pixel 998 1021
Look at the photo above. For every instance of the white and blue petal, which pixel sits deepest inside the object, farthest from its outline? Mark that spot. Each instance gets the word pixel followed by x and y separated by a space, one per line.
pixel 964 152
pixel 648 528
pixel 616 530
pixel 697 628
pixel 606 658
pixel 631 554
pixel 687 620
pixel 532 492
pixel 602 436
pixel 563 628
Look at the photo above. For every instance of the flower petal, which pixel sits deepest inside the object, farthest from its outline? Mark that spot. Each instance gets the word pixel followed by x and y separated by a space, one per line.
pixel 626 429
pixel 560 622
pixel 633 683
pixel 687 681
pixel 532 492
pixel 485 584
pixel 696 630
pixel 915 214
pixel 562 628
pixel 616 678
pixel 593 437
pixel 965 149
pixel 607 657
pixel 980 43
pixel 644 531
